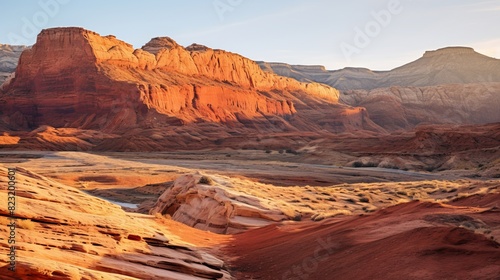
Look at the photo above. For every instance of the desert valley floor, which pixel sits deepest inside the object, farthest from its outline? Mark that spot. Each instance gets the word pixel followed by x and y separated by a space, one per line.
pixel 261 215
pixel 181 162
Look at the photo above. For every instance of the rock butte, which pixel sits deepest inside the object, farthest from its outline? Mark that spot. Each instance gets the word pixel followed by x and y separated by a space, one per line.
pixel 73 77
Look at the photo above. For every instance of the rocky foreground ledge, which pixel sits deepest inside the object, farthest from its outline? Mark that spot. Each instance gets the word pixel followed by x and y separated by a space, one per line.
pixel 63 233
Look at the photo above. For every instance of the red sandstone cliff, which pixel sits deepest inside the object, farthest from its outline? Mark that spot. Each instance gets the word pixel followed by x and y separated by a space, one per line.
pixel 73 77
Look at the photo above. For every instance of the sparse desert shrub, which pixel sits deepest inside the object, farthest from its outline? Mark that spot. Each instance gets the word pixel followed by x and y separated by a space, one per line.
pixel 350 200
pixel 292 151
pixel 317 217
pixel 321 216
pixel 268 151
pixel 364 199
pixel 25 224
pixel 369 210
pixel 206 181
pixel 163 217
pixel 357 164
pixel 430 168
pixel 297 218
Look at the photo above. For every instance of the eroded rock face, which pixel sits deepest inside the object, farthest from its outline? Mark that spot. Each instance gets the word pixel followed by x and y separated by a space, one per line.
pixel 73 77
pixel 67 234
pixel 215 207
pixel 404 107
pixel 454 85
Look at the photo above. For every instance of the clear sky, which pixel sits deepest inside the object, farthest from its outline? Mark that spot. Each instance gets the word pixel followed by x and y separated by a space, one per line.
pixel 377 34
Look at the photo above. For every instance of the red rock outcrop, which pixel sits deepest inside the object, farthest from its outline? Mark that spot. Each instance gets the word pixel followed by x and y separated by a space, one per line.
pixel 76 78
pixel 215 206
pixel 63 233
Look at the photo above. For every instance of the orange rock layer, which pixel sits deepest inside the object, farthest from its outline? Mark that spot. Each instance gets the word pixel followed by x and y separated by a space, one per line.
pixel 73 77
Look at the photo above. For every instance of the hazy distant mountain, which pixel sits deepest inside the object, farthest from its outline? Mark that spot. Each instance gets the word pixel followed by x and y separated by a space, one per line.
pixel 405 107
pixel 9 56
pixel 452 65
pixel 450 85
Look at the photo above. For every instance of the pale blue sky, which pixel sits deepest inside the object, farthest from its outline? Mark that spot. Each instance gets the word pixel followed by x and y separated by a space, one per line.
pixel 333 33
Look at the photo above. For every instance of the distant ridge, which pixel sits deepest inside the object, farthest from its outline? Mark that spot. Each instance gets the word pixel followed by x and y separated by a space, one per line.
pixel 9 56
pixel 450 65
pixel 450 50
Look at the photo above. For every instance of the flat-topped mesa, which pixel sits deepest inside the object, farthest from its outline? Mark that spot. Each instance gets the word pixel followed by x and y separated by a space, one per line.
pixel 61 51
pixel 450 51
pixel 73 77
pixel 310 67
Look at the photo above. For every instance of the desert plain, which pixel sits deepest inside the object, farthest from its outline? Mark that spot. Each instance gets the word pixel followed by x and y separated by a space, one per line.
pixel 172 162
